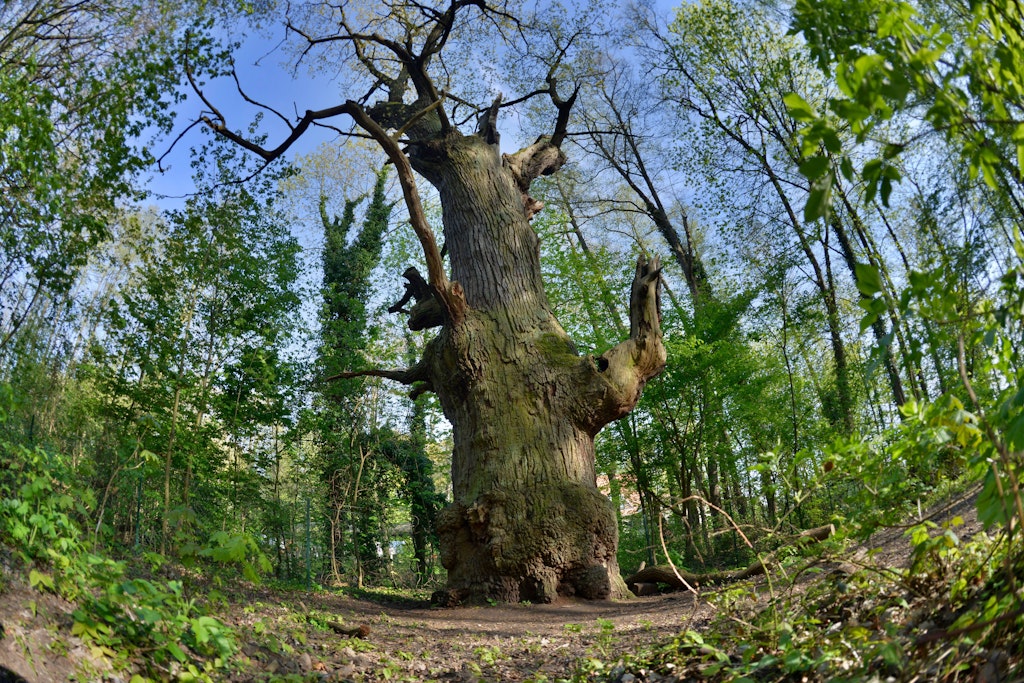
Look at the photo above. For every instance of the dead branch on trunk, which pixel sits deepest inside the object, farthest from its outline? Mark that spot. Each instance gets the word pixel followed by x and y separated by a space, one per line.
pixel 621 372
pixel 679 579
pixel 543 157
pixel 415 375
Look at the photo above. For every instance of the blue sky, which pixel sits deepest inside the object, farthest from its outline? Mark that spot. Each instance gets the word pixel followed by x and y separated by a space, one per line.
pixel 265 72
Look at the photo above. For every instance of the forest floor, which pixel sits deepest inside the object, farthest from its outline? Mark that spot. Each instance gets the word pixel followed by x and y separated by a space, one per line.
pixel 291 635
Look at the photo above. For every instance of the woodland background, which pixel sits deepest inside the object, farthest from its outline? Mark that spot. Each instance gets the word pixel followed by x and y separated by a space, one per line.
pixel 835 191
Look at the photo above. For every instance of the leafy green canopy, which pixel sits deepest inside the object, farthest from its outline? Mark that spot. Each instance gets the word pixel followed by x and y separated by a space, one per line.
pixel 958 66
pixel 194 357
pixel 79 88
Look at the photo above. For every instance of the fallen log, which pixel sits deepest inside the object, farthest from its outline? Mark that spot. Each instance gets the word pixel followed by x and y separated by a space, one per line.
pixel 678 578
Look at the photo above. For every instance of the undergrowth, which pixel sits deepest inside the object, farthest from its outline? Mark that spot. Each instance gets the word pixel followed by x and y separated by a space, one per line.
pixel 151 628
pixel 957 612
pixel 955 615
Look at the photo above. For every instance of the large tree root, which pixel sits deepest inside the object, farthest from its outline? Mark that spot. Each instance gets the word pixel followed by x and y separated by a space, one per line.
pixel 640 582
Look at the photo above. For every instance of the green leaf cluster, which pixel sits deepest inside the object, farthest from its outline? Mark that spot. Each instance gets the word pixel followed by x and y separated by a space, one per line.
pixel 940 619
pixel 118 617
pixel 956 70
pixel 154 619
pixel 80 96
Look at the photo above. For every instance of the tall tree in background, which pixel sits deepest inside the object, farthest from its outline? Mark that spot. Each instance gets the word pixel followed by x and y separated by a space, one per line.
pixel 351 465
pixel 527 521
pixel 955 71
pixel 424 501
pixel 192 357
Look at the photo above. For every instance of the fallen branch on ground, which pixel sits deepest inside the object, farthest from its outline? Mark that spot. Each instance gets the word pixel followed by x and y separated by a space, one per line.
pixel 665 574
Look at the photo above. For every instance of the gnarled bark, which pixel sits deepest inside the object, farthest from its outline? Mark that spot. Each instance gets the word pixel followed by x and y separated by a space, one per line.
pixel 527 521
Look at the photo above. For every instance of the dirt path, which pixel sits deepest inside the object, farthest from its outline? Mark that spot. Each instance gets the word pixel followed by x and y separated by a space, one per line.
pixel 520 642
pixel 889 547
pixel 502 643
pixel 289 633
pixel 292 635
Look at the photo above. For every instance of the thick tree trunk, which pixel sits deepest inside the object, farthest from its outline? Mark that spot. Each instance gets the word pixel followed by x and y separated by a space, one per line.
pixel 527 521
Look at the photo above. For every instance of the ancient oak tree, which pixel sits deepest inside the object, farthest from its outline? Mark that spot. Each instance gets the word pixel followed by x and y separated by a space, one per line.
pixel 527 521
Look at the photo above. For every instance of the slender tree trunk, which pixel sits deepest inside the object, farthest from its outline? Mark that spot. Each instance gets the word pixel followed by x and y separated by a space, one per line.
pixel 337 535
pixel 165 528
pixel 844 397
pixel 278 524
pixel 877 327
pixel 768 491
pixel 419 481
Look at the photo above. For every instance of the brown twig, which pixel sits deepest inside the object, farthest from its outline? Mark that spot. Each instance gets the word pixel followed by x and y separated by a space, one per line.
pixel 668 558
